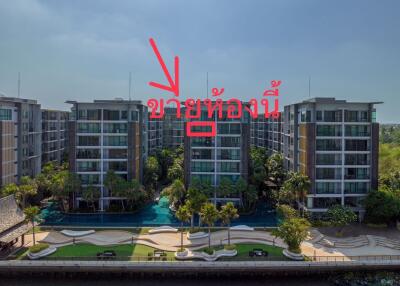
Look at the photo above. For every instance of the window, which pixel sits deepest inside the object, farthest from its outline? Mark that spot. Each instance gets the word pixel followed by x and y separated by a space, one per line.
pixel 5 114
pixel 115 141
pixel 135 116
pixel 329 130
pixel 228 141
pixel 329 145
pixel 111 114
pixel 357 130
pixel 319 115
pixel 229 167
pixel 228 154
pixel 328 188
pixel 328 159
pixel 333 116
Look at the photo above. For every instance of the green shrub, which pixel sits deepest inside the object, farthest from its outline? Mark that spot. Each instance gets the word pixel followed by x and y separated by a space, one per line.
pixel 230 247
pixel 38 247
pixel 209 251
pixel 194 230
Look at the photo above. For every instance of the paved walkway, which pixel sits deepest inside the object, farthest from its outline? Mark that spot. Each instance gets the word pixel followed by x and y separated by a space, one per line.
pixel 164 241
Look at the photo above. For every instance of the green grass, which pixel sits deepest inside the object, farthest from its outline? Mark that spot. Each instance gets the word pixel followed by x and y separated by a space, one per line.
pixel 244 248
pixel 89 250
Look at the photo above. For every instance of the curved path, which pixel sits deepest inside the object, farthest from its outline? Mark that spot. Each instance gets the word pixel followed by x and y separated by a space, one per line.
pixel 163 241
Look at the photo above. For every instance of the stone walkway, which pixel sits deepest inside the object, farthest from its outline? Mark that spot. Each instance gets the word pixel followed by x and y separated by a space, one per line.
pixel 163 241
pixel 319 244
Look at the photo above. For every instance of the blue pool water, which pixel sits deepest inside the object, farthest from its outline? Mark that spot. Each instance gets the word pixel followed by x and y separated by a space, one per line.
pixel 154 214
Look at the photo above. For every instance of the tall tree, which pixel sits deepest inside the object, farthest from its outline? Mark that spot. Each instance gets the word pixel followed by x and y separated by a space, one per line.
pixel 184 215
pixel 27 187
pixel 91 195
pixel 176 193
pixel 209 215
pixel 196 199
pixel 299 184
pixel 31 214
pixel 382 206
pixel 228 213
pixel 152 172
pixel 135 193
pixel 225 188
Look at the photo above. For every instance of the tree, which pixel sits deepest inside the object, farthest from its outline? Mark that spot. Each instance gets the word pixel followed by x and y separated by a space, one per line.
pixel 165 160
pixel 228 213
pixel 293 232
pixel 209 215
pixel 27 187
pixel 250 197
pixel 176 170
pixel 258 173
pixel 30 216
pixel 184 215
pixel 275 169
pixel 382 206
pixel 225 188
pixel 176 192
pixel 135 192
pixel 299 184
pixel 152 172
pixel 64 183
pixel 116 185
pixel 286 212
pixel 91 195
pixel 341 216
pixel 390 180
pixel 196 200
pixel 241 187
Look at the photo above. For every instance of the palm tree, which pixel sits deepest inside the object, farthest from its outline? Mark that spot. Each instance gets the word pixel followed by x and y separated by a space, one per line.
pixel 30 215
pixel 227 214
pixel 28 187
pixel 184 215
pixel 177 192
pixel 91 195
pixel 299 184
pixel 209 214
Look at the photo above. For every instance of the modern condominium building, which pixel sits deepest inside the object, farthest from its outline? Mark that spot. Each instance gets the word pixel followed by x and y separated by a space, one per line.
pixel 155 134
pixel 224 156
pixel 335 143
pixel 107 135
pixel 267 133
pixel 54 135
pixel 172 128
pixel 21 138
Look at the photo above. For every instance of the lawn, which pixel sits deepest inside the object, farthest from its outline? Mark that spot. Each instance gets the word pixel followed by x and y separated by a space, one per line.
pixel 140 252
pixel 89 250
pixel 274 252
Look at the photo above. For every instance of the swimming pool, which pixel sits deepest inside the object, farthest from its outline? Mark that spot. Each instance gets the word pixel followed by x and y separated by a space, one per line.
pixel 154 214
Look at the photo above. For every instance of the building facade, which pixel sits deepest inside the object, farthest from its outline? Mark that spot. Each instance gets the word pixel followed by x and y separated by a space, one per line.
pixel 107 135
pixel 211 159
pixel 267 133
pixel 54 135
pixel 335 143
pixel 21 117
pixel 173 126
pixel 155 134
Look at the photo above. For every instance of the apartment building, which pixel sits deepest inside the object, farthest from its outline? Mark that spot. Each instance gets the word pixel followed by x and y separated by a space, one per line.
pixel 335 143
pixel 155 134
pixel 22 118
pixel 226 155
pixel 54 135
pixel 107 135
pixel 8 143
pixel 173 132
pixel 267 133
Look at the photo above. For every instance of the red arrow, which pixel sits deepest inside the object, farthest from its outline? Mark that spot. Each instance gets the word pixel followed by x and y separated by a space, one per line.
pixel 173 86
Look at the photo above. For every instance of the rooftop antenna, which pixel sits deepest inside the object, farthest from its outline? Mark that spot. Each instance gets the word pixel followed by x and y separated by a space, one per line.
pixel 309 86
pixel 207 84
pixel 130 84
pixel 19 84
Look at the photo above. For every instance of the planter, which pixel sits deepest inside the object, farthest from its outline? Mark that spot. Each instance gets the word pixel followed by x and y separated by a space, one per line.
pixel 162 229
pixel 292 255
pixel 42 253
pixel 181 254
pixel 196 235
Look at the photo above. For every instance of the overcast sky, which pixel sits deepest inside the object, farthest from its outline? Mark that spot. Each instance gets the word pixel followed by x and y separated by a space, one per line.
pixel 84 50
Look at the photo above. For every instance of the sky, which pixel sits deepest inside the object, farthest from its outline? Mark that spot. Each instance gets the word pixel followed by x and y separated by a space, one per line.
pixel 84 50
